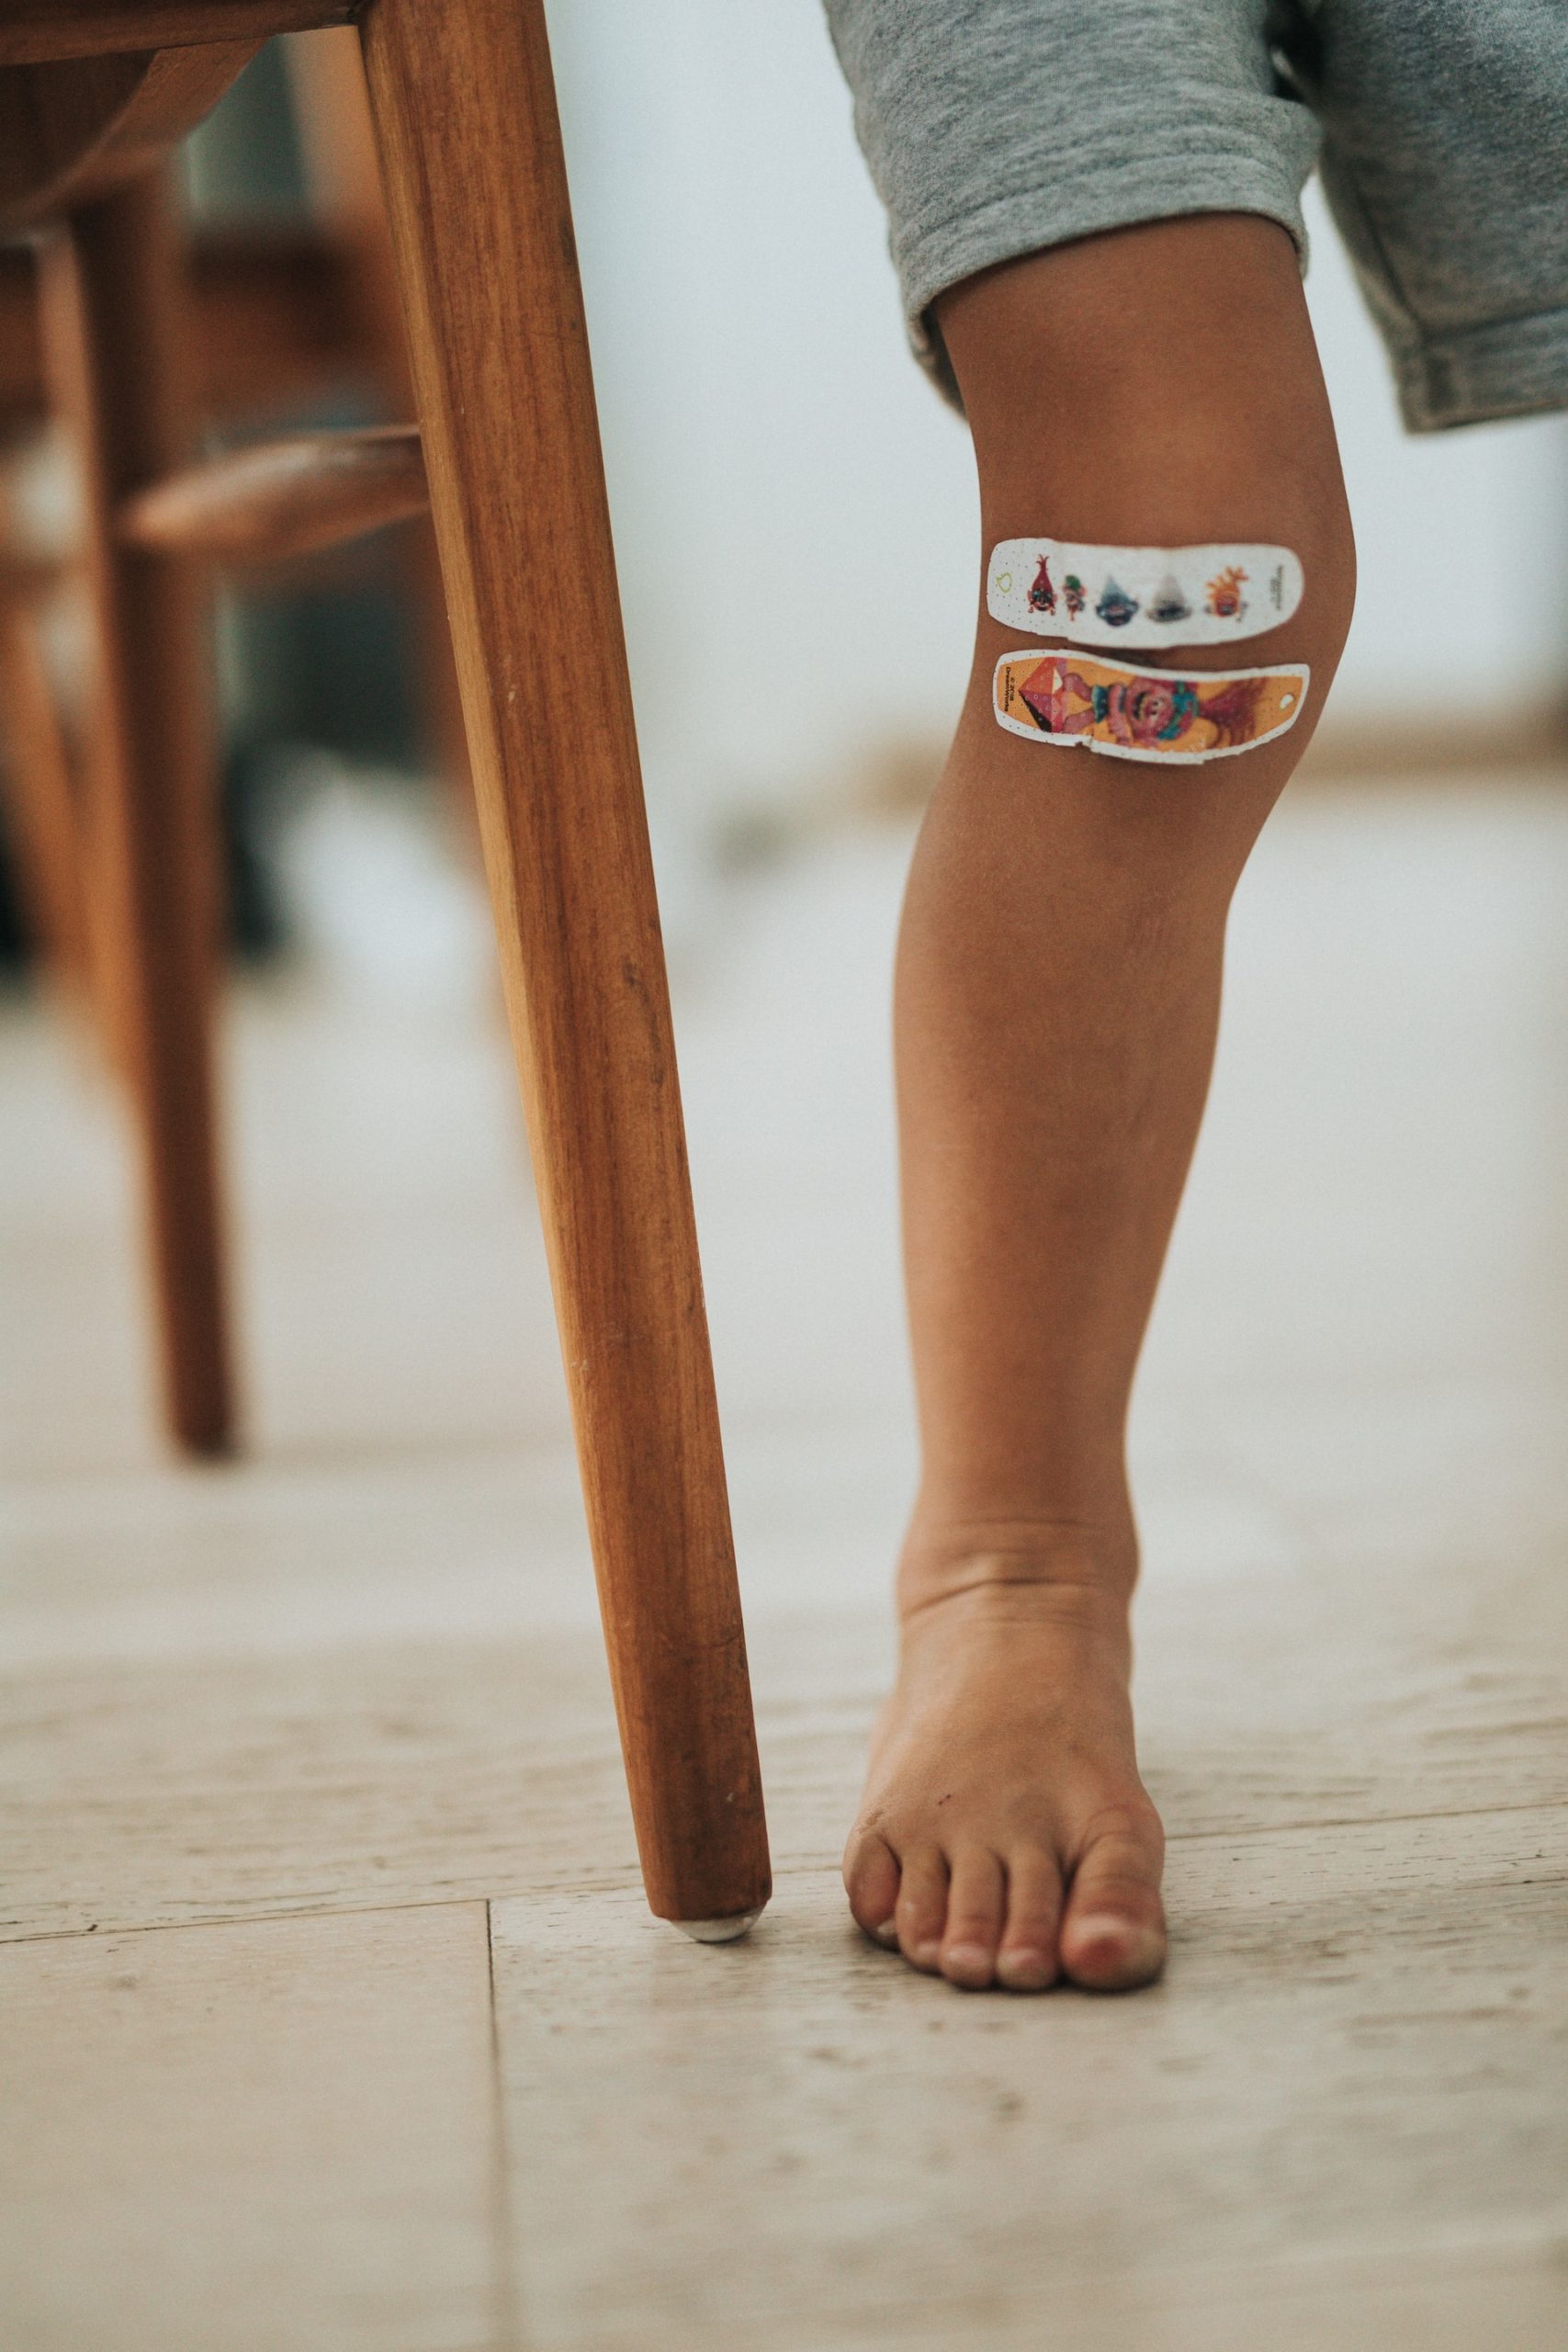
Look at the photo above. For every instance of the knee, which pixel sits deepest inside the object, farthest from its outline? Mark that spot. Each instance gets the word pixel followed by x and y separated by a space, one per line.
pixel 1102 414
pixel 1160 386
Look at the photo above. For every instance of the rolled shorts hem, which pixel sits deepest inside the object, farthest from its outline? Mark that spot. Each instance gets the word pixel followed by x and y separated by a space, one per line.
pixel 1030 220
pixel 1475 375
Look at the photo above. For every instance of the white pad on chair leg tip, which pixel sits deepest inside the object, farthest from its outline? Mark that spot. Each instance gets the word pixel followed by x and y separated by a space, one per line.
pixel 719 1931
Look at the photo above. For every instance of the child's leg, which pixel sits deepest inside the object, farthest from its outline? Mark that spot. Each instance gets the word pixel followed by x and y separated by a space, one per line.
pixel 1057 994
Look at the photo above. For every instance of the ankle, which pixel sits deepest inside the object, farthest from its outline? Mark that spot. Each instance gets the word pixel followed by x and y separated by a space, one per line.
pixel 1068 1566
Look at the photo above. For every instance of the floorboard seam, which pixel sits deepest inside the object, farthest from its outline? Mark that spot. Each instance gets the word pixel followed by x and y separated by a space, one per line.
pixel 510 2335
pixel 782 1870
pixel 300 1911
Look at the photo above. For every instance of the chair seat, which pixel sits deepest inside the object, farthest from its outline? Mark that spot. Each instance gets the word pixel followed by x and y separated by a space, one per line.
pixel 40 32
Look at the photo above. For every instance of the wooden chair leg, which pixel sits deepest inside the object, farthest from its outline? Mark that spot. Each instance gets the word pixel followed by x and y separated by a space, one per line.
pixel 470 151
pixel 112 305
pixel 40 812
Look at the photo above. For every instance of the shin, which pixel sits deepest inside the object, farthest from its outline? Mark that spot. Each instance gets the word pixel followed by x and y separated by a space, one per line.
pixel 1059 967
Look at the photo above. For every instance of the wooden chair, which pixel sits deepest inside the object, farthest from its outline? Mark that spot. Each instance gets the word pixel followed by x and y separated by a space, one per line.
pixel 92 93
pixel 282 316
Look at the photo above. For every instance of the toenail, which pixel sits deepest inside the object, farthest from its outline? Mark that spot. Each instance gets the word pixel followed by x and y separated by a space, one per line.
pixel 887 1933
pixel 926 1955
pixel 1138 1947
pixel 972 1959
pixel 1105 1926
pixel 1025 1970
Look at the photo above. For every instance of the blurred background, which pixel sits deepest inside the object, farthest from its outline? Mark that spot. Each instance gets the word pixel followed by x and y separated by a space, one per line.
pixel 763 422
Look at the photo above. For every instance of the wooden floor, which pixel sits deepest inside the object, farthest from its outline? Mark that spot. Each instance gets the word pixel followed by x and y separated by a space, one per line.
pixel 331 2017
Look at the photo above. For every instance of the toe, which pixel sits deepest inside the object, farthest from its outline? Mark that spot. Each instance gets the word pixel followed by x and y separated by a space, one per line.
pixel 1113 1931
pixel 1026 1960
pixel 976 1903
pixel 922 1906
pixel 871 1881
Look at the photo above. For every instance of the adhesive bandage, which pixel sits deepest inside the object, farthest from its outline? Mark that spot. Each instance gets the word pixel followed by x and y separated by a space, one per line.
pixel 1143 596
pixel 1133 713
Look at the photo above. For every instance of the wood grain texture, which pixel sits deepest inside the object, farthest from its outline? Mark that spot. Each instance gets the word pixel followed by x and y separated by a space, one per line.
pixel 71 131
pixel 281 499
pixel 38 31
pixel 115 328
pixel 899 2160
pixel 278 2138
pixel 464 104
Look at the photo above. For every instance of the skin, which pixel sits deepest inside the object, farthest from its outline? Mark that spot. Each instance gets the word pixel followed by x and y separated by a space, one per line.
pixel 1056 1001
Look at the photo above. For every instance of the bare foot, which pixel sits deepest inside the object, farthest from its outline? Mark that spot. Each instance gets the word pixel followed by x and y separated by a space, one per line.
pixel 1005 1837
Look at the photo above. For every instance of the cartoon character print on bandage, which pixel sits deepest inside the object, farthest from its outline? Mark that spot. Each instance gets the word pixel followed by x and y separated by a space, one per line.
pixel 1156 714
pixel 1208 594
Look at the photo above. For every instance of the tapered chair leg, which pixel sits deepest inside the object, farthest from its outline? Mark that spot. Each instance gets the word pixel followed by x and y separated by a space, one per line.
pixel 113 320
pixel 471 153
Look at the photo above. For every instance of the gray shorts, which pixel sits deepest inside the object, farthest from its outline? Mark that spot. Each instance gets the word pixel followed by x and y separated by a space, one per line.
pixel 995 126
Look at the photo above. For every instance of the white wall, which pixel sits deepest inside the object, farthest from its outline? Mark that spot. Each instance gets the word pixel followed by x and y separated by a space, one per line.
pixel 763 423
pixel 762 419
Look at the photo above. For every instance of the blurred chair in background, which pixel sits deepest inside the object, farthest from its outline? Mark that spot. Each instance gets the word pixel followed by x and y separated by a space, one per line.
pixel 42 820
pixel 333 111
pixel 287 318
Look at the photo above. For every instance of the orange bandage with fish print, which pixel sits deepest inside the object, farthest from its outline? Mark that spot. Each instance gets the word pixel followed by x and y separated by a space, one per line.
pixel 1159 715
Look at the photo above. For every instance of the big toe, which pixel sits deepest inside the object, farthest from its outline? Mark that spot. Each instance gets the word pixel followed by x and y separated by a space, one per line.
pixel 1113 1935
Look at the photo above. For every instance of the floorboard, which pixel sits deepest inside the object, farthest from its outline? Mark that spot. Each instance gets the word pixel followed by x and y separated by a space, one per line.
pixel 163 1791
pixel 273 2137
pixel 792 2144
